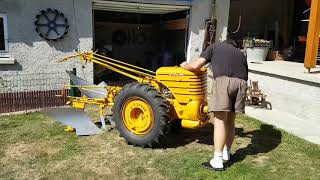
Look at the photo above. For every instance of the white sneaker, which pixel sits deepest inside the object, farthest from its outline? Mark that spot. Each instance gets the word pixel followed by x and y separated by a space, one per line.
pixel 217 162
pixel 226 154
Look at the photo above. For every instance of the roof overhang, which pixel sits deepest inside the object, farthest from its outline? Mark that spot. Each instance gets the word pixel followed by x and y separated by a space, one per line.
pixel 143 8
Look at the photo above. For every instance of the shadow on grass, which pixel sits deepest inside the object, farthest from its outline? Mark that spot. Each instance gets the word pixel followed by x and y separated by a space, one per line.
pixel 263 140
pixel 181 137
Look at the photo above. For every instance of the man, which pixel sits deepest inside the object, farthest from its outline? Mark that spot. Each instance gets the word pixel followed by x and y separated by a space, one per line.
pixel 230 70
pixel 167 58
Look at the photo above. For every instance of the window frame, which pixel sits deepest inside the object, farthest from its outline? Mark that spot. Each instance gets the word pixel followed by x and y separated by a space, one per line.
pixel 5 30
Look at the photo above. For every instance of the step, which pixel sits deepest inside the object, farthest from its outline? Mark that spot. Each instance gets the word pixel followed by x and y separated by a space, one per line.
pixel 294 95
pixel 288 122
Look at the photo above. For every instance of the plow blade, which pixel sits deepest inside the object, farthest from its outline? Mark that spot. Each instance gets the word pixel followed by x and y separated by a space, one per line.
pixel 95 91
pixel 76 118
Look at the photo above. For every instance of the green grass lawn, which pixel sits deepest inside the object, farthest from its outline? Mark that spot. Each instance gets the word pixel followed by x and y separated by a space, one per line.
pixel 33 146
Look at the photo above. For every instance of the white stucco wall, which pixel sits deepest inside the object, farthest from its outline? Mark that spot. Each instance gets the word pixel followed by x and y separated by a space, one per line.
pixel 200 12
pixel 221 13
pixel 36 55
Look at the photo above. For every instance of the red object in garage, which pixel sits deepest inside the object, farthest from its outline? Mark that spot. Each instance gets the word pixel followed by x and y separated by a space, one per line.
pixel 308 2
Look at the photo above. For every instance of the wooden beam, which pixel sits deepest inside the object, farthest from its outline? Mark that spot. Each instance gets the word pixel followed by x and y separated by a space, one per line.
pixel 175 24
pixel 310 60
pixel 121 25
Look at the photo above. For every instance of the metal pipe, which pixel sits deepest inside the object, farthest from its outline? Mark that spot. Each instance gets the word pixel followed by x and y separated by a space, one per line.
pixel 114 65
pixel 120 62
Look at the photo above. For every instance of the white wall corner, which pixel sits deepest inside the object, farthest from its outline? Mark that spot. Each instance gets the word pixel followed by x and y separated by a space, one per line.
pixel 201 11
pixel 222 9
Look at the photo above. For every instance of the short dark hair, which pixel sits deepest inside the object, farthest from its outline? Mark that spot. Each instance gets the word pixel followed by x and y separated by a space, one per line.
pixel 231 42
pixel 230 39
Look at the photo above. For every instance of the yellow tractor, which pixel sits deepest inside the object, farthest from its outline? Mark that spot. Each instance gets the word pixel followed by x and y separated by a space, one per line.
pixel 144 110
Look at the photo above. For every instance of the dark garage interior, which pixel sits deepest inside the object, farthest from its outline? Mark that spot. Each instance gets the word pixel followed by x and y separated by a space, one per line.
pixel 147 40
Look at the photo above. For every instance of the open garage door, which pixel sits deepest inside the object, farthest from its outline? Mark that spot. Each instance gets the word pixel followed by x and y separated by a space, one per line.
pixel 137 7
pixel 147 35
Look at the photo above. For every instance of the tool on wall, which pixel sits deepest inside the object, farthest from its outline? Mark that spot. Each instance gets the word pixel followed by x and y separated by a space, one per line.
pixel 51 24
pixel 239 25
pixel 210 33
pixel 210 29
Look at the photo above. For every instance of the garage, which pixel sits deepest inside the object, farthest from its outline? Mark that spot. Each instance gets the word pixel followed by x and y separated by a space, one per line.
pixel 283 22
pixel 146 35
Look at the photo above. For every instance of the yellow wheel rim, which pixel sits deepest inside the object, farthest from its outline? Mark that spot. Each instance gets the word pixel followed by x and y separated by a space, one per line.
pixel 137 116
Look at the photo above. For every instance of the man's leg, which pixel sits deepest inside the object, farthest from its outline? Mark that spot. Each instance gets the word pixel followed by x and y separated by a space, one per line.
pixel 219 131
pixel 219 105
pixel 230 129
pixel 219 140
pixel 238 87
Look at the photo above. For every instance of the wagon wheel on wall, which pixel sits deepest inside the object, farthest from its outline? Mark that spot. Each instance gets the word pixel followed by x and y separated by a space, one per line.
pixel 51 24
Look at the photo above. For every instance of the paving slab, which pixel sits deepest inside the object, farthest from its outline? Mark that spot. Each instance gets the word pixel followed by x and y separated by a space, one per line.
pixel 305 129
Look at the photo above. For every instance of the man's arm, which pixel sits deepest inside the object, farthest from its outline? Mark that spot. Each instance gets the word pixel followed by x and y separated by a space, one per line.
pixel 194 66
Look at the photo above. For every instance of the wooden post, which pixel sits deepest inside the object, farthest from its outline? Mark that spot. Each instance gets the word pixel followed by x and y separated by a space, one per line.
pixel 73 89
pixel 310 60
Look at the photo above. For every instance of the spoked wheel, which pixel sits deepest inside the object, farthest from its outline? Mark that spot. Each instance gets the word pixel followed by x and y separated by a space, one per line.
pixel 137 116
pixel 141 115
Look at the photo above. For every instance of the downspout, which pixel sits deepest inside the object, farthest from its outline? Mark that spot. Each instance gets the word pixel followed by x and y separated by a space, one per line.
pixel 310 60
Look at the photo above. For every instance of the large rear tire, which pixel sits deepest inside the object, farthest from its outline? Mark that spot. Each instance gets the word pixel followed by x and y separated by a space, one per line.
pixel 141 115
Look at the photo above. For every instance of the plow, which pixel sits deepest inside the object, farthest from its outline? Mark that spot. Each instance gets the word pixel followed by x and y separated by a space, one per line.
pixel 143 111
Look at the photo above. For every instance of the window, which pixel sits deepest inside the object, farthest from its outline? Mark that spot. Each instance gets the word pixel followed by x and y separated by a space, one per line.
pixel 4 48
pixel 3 33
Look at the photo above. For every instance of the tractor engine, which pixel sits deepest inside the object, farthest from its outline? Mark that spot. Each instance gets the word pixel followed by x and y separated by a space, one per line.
pixel 186 94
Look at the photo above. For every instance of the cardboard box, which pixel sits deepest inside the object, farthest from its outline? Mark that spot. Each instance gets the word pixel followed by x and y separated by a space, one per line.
pixel 274 55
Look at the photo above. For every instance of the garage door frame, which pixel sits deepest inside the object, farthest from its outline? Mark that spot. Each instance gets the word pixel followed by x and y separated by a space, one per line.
pixel 133 7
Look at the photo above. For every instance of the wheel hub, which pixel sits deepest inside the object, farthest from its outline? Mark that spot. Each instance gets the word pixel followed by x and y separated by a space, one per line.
pixel 51 25
pixel 137 116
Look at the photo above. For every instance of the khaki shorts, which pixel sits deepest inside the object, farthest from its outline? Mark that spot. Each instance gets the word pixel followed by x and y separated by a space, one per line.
pixel 228 94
